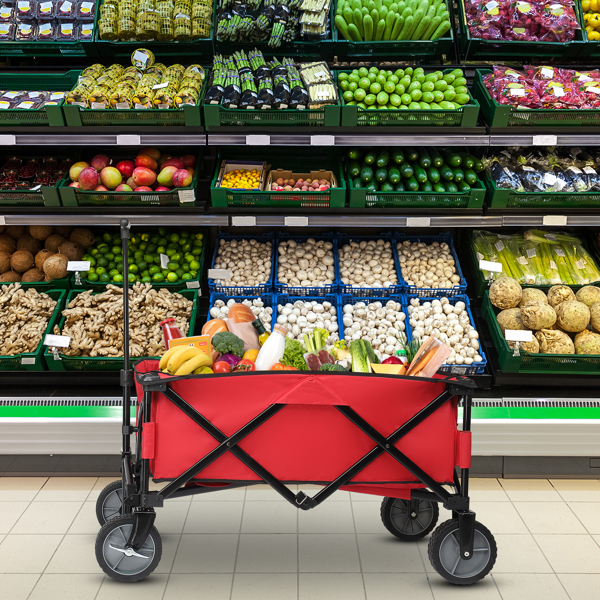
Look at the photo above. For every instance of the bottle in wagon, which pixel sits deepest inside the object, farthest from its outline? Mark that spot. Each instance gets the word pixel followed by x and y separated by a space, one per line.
pixel 263 334
pixel 170 331
pixel 273 349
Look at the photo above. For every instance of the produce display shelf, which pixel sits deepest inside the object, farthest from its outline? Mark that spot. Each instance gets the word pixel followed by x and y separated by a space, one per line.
pixel 474 369
pixel 422 50
pixel 33 361
pixel 240 290
pixel 62 362
pixel 44 196
pixel 515 50
pixel 497 115
pixel 524 362
pixel 466 116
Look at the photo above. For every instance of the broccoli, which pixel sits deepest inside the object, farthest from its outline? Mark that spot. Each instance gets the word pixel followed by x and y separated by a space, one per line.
pixel 332 367
pixel 226 342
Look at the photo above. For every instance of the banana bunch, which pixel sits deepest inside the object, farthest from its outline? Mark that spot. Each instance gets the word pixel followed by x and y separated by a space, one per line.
pixel 185 360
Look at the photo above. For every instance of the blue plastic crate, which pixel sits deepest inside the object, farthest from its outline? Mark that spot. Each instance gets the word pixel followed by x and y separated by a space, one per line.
pixel 282 299
pixel 284 288
pixel 474 369
pixel 349 299
pixel 214 285
pixel 267 298
pixel 344 238
pixel 412 290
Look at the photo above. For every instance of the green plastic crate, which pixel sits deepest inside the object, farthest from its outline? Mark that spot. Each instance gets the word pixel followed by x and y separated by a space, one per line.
pixel 32 361
pixel 477 49
pixel 499 115
pixel 45 196
pixel 103 363
pixel 49 116
pixel 423 50
pixel 571 364
pixel 353 116
pixel 332 198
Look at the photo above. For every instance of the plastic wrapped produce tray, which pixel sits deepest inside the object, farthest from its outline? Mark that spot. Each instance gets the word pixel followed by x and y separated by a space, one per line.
pixel 268 299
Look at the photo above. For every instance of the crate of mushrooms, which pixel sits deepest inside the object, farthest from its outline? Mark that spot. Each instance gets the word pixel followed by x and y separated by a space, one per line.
pixel 242 266
pixel 306 266
pixel 302 315
pixel 367 265
pixel 429 266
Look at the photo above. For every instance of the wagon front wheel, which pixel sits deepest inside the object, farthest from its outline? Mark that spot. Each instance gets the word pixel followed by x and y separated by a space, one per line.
pixel 406 524
pixel 445 558
pixel 110 500
pixel 126 564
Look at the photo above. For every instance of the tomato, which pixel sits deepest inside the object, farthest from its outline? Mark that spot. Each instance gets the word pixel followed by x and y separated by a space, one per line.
pixel 277 367
pixel 245 365
pixel 221 366
pixel 285 368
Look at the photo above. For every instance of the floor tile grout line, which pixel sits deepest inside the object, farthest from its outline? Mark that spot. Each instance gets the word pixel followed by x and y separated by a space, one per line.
pixel 93 486
pixel 237 548
pixel 362 574
pixel 39 576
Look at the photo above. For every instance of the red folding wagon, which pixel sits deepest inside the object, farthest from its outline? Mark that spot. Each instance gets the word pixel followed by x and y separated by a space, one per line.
pixel 386 435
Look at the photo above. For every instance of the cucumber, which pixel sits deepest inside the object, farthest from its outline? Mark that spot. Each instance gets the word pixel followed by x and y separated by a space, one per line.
pixel 463 186
pixel 370 158
pixel 368 27
pixel 380 30
pixel 408 23
pixel 439 187
pixel 381 175
pixel 354 154
pixel 371 187
pixel 354 33
pixel 424 158
pixel 477 164
pixel 470 177
pixel 406 170
pixel 400 187
pixel 421 28
pixel 467 160
pixel 383 158
pixel 426 187
pixel 450 187
pixel 358 21
pixel 433 25
pixel 459 174
pixel 357 183
pixel 412 185
pixel 420 173
pixel 398 23
pixel 342 26
pixel 398 156
pixel 446 173
pixel 390 19
pixel 411 154
pixel 436 158
pixel 387 187
pixel 366 174
pixel 348 15
pixel 354 168
pixel 452 159
pixel 441 30
pixel 394 175
pixel 433 174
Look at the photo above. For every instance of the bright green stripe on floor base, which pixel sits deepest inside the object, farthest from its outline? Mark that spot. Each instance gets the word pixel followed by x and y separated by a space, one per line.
pixel 63 412
pixel 534 413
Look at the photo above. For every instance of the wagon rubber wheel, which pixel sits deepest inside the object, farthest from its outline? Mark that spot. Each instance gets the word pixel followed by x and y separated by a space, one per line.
pixel 406 526
pixel 444 553
pixel 110 500
pixel 125 564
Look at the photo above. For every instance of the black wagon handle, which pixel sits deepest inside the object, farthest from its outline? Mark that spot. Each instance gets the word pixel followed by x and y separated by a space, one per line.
pixel 125 230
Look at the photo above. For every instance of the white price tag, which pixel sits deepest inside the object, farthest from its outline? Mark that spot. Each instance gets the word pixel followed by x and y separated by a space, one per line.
pixel 220 273
pixel 295 221
pixel 517 92
pixel 559 220
pixel 544 140
pixel 2 221
pixel 192 285
pixel 78 265
pixel 36 188
pixel 531 253
pixel 243 221
pixel 550 178
pixel 553 266
pixel 8 140
pixel 559 252
pixel 547 73
pixel 160 86
pixel 499 245
pixel 140 56
pixel 59 341
pixel 258 140
pixel 517 335
pixel 487 265
pixel 187 196
pixel 592 89
pixel 322 140
pixel 580 264
pixel 164 261
pixel 128 140
pixel 28 360
pixel 418 221
pixel 522 260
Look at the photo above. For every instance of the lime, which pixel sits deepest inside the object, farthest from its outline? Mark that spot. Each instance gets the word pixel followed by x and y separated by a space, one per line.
pixel 161 250
pixel 138 254
pixel 172 277
pixel 110 256
pixel 143 246
pixel 194 274
pixel 154 269
pixel 179 272
pixel 145 273
pixel 146 279
pixel 107 237
pixel 131 277
pixel 162 231
pixel 93 277
pixel 100 270
pixel 118 278
pixel 94 252
pixel 416 95
pixel 142 265
pixel 176 257
pixel 370 99
pixel 382 98
pixel 133 269
pixel 151 249
pixel 353 86
pixel 186 247
pixel 185 268
pixel 102 261
pixel 165 272
pixel 104 278
pixel 173 245
pixel 130 260
pixel 173 238
pixel 163 241
pixel 364 83
pixel 111 265
pixel 195 265
pixel 348 96
pixel 119 268
pixel 187 277
pixel 103 249
pixel 172 266
pixel 197 251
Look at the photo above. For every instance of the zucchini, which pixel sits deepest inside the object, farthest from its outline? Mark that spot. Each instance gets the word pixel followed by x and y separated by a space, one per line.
pixel 358 21
pixel 390 19
pixel 406 170
pixel 398 23
pixel 452 159
pixel 450 187
pixel 412 185
pixel 459 174
pixel 368 27
pixel 354 33
pixel 400 187
pixel 348 15
pixel 342 26
pixel 398 156
pixel 433 175
pixel 426 187
pixel 366 174
pixel 439 187
pixel 467 160
pixel 394 175
pixel 357 183
pixel 463 186
pixel 436 158
pixel 446 173
pixel 371 187
pixel 420 173
pixel 354 154
pixel 424 158
pixel 370 158
pixel 383 158
pixel 379 30
pixel 470 177
pixel 381 175
pixel 411 154
pixel 477 164
pixel 386 186
pixel 354 168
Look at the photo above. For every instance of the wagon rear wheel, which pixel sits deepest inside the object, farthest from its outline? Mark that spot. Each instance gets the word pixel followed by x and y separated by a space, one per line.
pixel 110 500
pixel 405 524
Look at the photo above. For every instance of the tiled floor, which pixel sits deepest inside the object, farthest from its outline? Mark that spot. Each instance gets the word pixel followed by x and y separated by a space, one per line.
pixel 247 544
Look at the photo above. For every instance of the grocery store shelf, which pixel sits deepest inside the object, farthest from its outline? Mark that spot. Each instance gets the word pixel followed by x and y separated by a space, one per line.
pixel 81 218
pixel 576 220
pixel 367 221
pixel 535 136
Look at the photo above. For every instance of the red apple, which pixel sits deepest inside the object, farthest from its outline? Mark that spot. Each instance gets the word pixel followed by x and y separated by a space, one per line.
pixel 143 188
pixel 189 161
pixel 101 188
pixel 182 178
pixel 76 169
pixel 172 162
pixel 126 168
pixel 153 152
pixel 88 179
pixel 143 176
pixel 100 161
pixel 111 177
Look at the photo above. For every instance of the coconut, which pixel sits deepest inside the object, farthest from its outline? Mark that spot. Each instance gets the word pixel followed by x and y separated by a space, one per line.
pixel 538 315
pixel 10 277
pixel 505 293
pixel 55 267
pixel 587 342
pixel 71 250
pixel 572 316
pixel 588 295
pixel 533 294
pixel 510 319
pixel 53 242
pixel 21 261
pixel 63 231
pixel 4 262
pixel 532 347
pixel 554 341
pixel 595 315
pixel 41 257
pixel 558 294
pixel 29 243
pixel 83 237
pixel 15 231
pixel 33 275
pixel 7 244
pixel 40 232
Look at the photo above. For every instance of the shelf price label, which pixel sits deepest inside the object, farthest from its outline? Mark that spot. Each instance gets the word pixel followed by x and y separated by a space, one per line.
pixel 193 285
pixel 186 196
pixel 8 140
pixel 559 220
pixel 220 273
pixel 243 221
pixel 418 222
pixel 258 140
pixel 487 265
pixel 322 140
pixel 295 221
pixel 2 221
pixel 544 140
pixel 516 335
pixel 78 265
pixel 129 140
pixel 164 261
pixel 28 360
pixel 58 341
